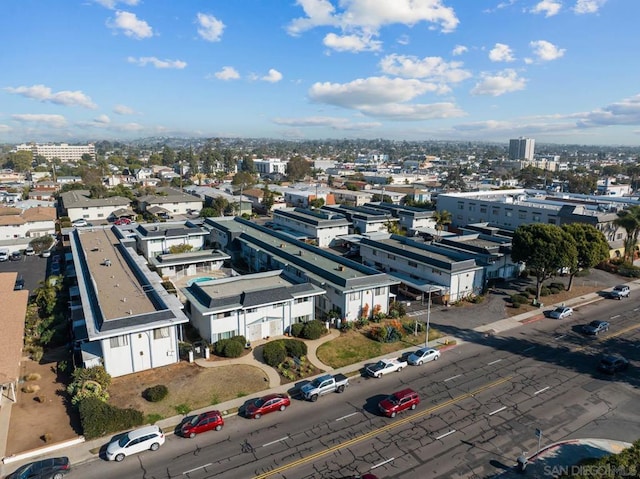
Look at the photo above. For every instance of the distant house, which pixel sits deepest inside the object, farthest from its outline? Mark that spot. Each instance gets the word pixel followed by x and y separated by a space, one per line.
pixel 255 306
pixel 78 204
pixel 29 223
pixel 174 202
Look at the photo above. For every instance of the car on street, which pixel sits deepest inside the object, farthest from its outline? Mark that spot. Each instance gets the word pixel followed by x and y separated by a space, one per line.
pixel 148 438
pixel 4 255
pixel 80 222
pixel 19 284
pixel 16 256
pixel 207 421
pixel 45 253
pixel 29 251
pixel 266 404
pixel 53 468
pixel 122 221
pixel 385 366
pixel 613 363
pixel 595 327
pixel 620 291
pixel 423 355
pixel 561 312
pixel 398 402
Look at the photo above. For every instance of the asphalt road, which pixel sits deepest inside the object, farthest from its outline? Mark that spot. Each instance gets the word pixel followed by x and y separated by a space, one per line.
pixel 31 268
pixel 481 405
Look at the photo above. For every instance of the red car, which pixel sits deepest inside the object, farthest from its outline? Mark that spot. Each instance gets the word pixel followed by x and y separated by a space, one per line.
pixel 122 221
pixel 206 421
pixel 398 402
pixel 267 404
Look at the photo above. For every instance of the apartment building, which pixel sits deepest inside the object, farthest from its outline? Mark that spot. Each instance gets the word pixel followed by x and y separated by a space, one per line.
pixel 63 151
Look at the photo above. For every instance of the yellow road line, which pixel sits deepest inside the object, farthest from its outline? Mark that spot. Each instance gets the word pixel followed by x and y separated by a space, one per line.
pixel 388 427
pixel 608 336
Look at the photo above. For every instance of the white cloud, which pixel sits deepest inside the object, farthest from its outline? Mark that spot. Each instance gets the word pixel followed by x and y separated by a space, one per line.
pixel 351 43
pixel 144 61
pixel 588 6
pixel 102 120
pixel 210 28
pixel 503 82
pixel 227 73
pixel 368 16
pixel 501 53
pixel 403 40
pixel 414 112
pixel 326 121
pixel 625 112
pixel 130 25
pixel 274 76
pixel 44 94
pixel 4 128
pixel 548 7
pixel 123 110
pixel 112 3
pixel 55 121
pixel 459 50
pixel 546 51
pixel 433 68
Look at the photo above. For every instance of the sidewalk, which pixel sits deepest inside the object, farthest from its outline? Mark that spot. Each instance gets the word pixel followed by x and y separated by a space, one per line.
pixel 87 450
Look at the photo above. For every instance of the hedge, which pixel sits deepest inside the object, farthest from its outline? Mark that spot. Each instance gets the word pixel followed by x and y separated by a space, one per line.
pixel 313 329
pixel 274 353
pixel 296 329
pixel 230 348
pixel 99 418
pixel 155 393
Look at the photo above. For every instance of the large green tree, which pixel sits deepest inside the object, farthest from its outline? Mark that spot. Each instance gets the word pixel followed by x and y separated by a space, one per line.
pixel 298 168
pixel 545 249
pixel 591 247
pixel 629 220
pixel 442 218
pixel 244 179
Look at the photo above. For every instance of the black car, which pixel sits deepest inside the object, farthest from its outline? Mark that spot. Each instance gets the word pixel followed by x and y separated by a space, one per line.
pixel 54 468
pixel 19 284
pixel 595 327
pixel 613 363
pixel 16 256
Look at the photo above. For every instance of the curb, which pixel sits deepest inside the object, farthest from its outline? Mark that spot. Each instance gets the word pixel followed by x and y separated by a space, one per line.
pixel 43 450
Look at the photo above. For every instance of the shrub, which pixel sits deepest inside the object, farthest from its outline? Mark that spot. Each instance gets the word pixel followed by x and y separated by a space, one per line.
pixel 99 418
pixel 518 299
pixel 218 347
pixel 233 349
pixel 30 388
pixel 524 274
pixel 183 409
pixel 295 347
pixel 241 340
pixel 274 353
pixel 296 329
pixel 89 383
pixel 558 286
pixel 183 350
pixel 516 305
pixel 155 393
pixel 313 329
pixel 553 290
pixel 32 377
pixel 532 291
pixel 544 291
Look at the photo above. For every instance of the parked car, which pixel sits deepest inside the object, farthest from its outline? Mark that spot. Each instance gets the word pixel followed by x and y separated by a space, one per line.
pixel 385 366
pixel 595 327
pixel 324 385
pixel 29 251
pixel 613 363
pixel 16 256
pixel 207 421
pixel 561 312
pixel 80 222
pixel 122 221
pixel 620 291
pixel 148 438
pixel 398 402
pixel 266 404
pixel 53 468
pixel 423 355
pixel 19 284
pixel 45 253
pixel 4 255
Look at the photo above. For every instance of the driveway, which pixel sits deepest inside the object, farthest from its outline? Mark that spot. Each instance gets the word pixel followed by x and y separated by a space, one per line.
pixel 30 268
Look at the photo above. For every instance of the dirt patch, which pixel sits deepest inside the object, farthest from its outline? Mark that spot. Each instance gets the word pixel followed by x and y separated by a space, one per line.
pixel 188 384
pixel 27 428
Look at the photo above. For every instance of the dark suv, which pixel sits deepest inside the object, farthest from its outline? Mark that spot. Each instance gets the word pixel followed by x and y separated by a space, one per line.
pixel 54 468
pixel 613 363
pixel 398 402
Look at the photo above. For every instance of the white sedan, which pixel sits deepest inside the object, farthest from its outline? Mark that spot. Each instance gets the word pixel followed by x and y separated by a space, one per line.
pixel 561 312
pixel 423 355
pixel 385 366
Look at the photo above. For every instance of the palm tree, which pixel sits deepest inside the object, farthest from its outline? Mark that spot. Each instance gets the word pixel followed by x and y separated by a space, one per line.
pixel 442 219
pixel 629 220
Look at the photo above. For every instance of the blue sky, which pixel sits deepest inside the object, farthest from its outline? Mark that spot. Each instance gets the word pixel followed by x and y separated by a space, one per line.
pixel 559 71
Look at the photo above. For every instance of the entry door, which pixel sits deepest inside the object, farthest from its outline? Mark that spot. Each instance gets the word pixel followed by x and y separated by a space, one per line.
pixel 254 331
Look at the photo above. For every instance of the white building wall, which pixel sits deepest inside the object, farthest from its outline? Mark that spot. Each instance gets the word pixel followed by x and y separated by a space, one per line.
pixel 92 212
pixel 156 246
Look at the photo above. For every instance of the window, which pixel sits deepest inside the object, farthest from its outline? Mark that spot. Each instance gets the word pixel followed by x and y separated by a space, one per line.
pixel 536 217
pixel 508 213
pixel 300 300
pixel 460 205
pixel 355 296
pixel 252 310
pixel 413 264
pixel 119 341
pixel 392 257
pixel 161 333
pixel 302 319
pixel 483 209
pixel 378 291
pixel 522 215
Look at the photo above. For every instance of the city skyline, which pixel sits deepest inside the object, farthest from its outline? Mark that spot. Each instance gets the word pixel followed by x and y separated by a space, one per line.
pixel 559 71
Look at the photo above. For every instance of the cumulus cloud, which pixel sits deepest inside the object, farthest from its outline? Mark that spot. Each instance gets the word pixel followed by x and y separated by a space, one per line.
pixel 625 112
pixel 227 73
pixel 102 120
pixel 112 3
pixel 588 6
pixel 123 110
pixel 210 28
pixel 351 43
pixel 129 24
pixel 4 128
pixel 368 16
pixel 144 61
pixel 546 51
pixel 274 76
pixel 459 50
pixel 548 7
pixel 44 94
pixel 503 82
pixel 433 68
pixel 326 121
pixel 501 53
pixel 55 121
pixel 383 97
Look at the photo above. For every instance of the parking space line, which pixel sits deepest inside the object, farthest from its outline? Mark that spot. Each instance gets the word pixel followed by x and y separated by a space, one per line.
pixel 497 410
pixel 452 377
pixel 276 441
pixel 541 390
pixel 445 434
pixel 382 463
pixel 494 362
pixel 348 415
pixel 186 473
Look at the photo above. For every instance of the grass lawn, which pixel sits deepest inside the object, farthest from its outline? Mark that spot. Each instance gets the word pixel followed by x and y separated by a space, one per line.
pixel 354 346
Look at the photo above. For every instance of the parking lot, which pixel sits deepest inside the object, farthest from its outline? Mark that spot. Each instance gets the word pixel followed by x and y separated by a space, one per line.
pixel 32 269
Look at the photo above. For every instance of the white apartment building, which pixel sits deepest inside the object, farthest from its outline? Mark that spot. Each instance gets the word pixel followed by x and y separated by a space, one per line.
pixel 320 226
pixel 62 151
pixel 268 166
pixel 521 149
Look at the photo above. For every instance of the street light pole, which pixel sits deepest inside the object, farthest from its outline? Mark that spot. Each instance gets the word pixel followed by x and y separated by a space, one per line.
pixel 426 338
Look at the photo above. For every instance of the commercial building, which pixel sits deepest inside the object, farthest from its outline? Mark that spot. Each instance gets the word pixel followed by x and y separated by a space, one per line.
pixel 63 151
pixel 521 149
